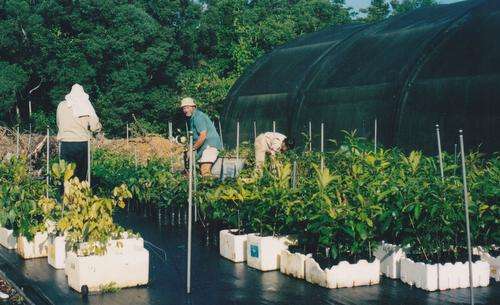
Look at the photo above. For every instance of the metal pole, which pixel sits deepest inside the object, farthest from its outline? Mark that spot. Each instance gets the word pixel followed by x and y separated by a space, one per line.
pixel 190 202
pixel 440 153
pixel 375 139
pixel 322 145
pixel 220 134
pixel 29 136
pixel 274 126
pixel 194 187
pixel 135 157
pixel 310 136
pixel 127 135
pixel 294 174
pixel 48 160
pixel 456 158
pixel 88 162
pixel 466 201
pixel 254 130
pixel 17 142
pixel 237 147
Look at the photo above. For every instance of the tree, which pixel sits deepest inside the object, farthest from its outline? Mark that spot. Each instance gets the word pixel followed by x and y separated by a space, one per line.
pixel 404 6
pixel 377 11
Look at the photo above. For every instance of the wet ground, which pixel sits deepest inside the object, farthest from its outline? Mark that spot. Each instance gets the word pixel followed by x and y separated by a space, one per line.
pixel 215 280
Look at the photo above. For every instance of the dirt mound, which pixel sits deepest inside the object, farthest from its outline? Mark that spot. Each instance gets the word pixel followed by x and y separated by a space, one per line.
pixel 144 148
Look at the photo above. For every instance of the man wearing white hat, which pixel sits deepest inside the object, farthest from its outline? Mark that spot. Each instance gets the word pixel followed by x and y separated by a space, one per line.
pixel 206 139
pixel 76 120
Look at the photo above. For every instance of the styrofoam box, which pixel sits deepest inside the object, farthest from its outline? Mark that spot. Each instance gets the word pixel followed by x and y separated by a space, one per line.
pixel 35 248
pixel 118 246
pixel 126 269
pixel 433 277
pixel 263 253
pixel 344 274
pixel 293 264
pixel 233 247
pixel 56 251
pixel 493 261
pixel 7 238
pixel 389 256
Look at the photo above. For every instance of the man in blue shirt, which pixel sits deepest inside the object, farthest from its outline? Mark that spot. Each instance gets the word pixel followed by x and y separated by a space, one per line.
pixel 206 139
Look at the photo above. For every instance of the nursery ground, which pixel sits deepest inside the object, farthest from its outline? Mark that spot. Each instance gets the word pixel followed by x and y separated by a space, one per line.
pixel 215 280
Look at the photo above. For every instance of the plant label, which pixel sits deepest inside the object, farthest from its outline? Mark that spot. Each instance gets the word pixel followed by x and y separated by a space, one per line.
pixel 254 251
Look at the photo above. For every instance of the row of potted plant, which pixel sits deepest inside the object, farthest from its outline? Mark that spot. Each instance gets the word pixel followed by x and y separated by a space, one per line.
pixel 74 228
pixel 341 213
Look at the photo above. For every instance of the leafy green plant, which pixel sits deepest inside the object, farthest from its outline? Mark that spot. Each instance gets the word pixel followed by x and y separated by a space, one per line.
pixel 88 222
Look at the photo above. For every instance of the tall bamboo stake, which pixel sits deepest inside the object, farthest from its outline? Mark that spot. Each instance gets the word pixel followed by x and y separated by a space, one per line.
pixel 375 136
pixel 274 126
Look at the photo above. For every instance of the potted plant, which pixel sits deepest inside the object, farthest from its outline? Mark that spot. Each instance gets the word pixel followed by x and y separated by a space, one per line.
pixel 11 173
pixel 20 195
pixel 346 204
pixel 227 202
pixel 435 229
pixel 100 252
pixel 268 218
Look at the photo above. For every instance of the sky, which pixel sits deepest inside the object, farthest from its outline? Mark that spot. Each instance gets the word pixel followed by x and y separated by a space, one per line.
pixel 357 4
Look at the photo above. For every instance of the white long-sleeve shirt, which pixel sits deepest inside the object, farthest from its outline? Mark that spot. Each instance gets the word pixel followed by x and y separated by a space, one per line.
pixel 71 129
pixel 273 142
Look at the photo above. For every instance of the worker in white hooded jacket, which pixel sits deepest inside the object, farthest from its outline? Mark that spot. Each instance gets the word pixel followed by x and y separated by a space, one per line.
pixel 76 120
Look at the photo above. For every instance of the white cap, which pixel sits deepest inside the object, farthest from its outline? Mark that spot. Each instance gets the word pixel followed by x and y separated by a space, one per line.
pixel 187 101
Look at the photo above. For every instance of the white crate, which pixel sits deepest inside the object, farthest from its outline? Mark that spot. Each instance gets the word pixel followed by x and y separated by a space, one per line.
pixel 493 261
pixel 56 251
pixel 33 249
pixel 344 274
pixel 389 256
pixel 127 269
pixel 293 264
pixel 7 238
pixel 233 247
pixel 433 277
pixel 263 253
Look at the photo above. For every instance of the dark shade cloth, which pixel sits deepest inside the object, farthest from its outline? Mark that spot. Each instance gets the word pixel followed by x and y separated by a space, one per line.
pixel 434 65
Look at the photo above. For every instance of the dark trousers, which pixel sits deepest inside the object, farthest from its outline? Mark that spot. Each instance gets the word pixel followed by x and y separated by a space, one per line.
pixel 76 152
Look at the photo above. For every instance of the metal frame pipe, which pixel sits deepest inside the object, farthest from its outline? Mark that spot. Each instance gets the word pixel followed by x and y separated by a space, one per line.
pixel 466 203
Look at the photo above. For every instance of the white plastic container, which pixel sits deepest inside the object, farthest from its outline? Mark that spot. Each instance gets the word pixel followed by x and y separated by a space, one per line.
pixel 433 277
pixel 389 256
pixel 263 253
pixel 33 249
pixel 232 246
pixel 7 238
pixel 127 269
pixel 293 264
pixel 344 274
pixel 56 251
pixel 493 261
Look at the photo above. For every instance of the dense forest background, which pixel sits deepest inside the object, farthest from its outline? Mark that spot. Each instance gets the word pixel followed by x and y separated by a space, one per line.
pixel 140 57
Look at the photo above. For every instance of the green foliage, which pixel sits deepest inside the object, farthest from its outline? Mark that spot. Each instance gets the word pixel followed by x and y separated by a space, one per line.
pixel 19 194
pixel 362 197
pixel 88 221
pixel 140 57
